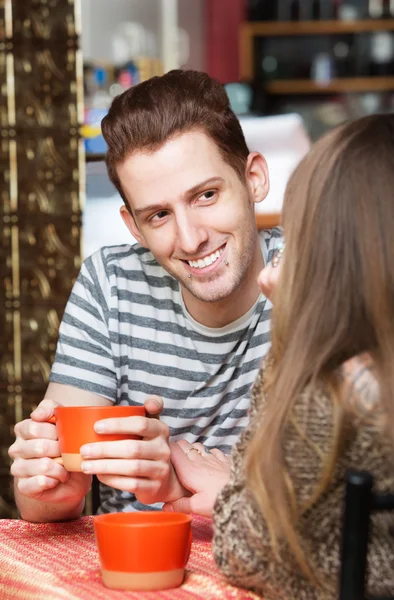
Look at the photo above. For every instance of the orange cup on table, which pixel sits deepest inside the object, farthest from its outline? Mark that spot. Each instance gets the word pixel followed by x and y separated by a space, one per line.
pixel 145 550
pixel 75 427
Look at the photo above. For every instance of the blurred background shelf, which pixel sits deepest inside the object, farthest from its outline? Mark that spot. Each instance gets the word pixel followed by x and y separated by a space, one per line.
pixel 341 85
pixel 253 32
pixel 273 28
pixel 328 61
pixel 267 220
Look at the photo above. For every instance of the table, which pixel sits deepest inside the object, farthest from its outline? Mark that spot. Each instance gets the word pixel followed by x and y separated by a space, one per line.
pixel 59 561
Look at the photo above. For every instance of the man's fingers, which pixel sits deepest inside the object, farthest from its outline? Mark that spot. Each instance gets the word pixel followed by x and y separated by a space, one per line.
pixel 34 449
pixel 39 466
pixel 154 405
pixel 35 486
pixel 156 449
pixel 44 410
pixel 129 484
pixel 141 426
pixel 151 469
pixel 30 430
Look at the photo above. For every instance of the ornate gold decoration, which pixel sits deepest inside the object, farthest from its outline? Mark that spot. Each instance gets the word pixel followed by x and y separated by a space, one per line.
pixel 41 194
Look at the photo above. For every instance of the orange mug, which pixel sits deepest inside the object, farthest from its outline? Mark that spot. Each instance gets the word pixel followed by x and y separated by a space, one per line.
pixel 75 427
pixel 145 550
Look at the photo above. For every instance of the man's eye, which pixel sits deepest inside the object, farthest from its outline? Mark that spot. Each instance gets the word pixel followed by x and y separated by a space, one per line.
pixel 208 195
pixel 160 215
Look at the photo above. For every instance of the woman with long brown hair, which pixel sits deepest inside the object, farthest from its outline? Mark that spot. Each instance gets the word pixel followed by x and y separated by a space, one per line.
pixel 324 399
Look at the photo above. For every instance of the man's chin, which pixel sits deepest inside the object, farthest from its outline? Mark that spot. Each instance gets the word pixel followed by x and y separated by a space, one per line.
pixel 206 293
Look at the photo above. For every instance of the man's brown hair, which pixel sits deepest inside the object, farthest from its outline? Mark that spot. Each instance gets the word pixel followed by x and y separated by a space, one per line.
pixel 146 116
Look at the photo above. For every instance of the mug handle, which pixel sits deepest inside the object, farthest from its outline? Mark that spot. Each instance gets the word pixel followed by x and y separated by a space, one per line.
pixel 57 459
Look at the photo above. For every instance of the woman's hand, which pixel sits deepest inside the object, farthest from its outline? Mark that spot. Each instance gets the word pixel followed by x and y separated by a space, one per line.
pixel 269 276
pixel 202 472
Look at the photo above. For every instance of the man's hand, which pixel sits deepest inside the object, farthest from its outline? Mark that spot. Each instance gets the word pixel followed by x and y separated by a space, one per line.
pixel 143 466
pixel 203 474
pixel 38 476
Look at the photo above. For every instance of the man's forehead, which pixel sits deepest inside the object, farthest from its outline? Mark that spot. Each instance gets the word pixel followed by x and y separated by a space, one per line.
pixel 172 170
pixel 186 149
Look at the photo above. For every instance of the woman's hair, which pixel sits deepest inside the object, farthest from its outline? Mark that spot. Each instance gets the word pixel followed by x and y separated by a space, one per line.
pixel 334 300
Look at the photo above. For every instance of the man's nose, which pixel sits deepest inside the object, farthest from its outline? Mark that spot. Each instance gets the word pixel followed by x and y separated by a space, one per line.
pixel 191 235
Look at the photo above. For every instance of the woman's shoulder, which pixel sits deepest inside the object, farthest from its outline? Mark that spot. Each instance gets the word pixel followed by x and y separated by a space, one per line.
pixel 359 387
pixel 257 394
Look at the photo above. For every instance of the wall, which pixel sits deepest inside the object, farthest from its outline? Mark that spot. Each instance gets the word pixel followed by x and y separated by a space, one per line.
pixel 100 18
pixel 191 17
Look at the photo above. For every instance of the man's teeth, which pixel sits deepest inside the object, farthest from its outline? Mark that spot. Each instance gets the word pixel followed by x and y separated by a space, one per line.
pixel 205 262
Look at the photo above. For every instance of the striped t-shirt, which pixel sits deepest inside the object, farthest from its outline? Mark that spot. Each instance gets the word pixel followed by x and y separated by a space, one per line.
pixel 126 334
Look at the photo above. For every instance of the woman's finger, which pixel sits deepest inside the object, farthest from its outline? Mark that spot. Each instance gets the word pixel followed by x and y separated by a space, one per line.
pixel 219 455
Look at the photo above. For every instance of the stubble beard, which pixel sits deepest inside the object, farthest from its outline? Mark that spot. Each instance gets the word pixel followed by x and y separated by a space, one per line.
pixel 238 267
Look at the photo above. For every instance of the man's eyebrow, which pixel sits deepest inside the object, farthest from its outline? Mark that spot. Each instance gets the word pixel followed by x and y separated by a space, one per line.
pixel 150 208
pixel 204 184
pixel 191 192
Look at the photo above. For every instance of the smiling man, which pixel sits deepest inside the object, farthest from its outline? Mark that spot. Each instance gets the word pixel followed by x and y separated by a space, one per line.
pixel 175 322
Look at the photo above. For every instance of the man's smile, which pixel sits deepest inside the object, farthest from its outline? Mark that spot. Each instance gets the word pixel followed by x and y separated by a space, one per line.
pixel 207 263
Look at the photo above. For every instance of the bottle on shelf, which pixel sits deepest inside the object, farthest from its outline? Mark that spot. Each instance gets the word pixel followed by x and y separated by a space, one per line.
pixel 100 98
pixel 261 10
pixel 361 55
pixel 381 53
pixel 307 10
pixel 388 9
pixel 341 56
pixel 316 10
pixel 96 107
pixel 289 10
pixel 269 66
pixel 375 9
pixel 322 68
pixel 326 10
pixel 351 10
pixel 336 8
pixel 295 10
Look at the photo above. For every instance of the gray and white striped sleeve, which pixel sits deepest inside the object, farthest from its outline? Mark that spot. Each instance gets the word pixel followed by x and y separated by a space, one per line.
pixel 84 357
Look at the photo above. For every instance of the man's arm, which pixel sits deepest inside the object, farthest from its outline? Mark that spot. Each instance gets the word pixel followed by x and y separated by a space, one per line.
pixel 67 395
pixel 44 490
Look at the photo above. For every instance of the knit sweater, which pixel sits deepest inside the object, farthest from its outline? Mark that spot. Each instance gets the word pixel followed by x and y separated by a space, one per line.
pixel 241 541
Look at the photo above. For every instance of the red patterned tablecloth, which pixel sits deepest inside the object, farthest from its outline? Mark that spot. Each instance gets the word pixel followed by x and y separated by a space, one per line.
pixel 59 561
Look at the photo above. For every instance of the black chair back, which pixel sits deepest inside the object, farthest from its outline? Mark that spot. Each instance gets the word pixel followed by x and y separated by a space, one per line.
pixel 360 503
pixel 95 495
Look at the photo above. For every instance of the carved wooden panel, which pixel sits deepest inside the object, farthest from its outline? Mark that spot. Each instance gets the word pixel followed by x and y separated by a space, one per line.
pixel 42 190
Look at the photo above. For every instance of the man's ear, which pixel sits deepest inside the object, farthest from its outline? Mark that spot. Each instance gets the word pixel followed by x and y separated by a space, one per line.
pixel 131 225
pixel 256 175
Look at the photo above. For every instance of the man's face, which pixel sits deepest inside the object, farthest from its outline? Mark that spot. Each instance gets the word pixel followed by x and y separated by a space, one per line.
pixel 193 213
